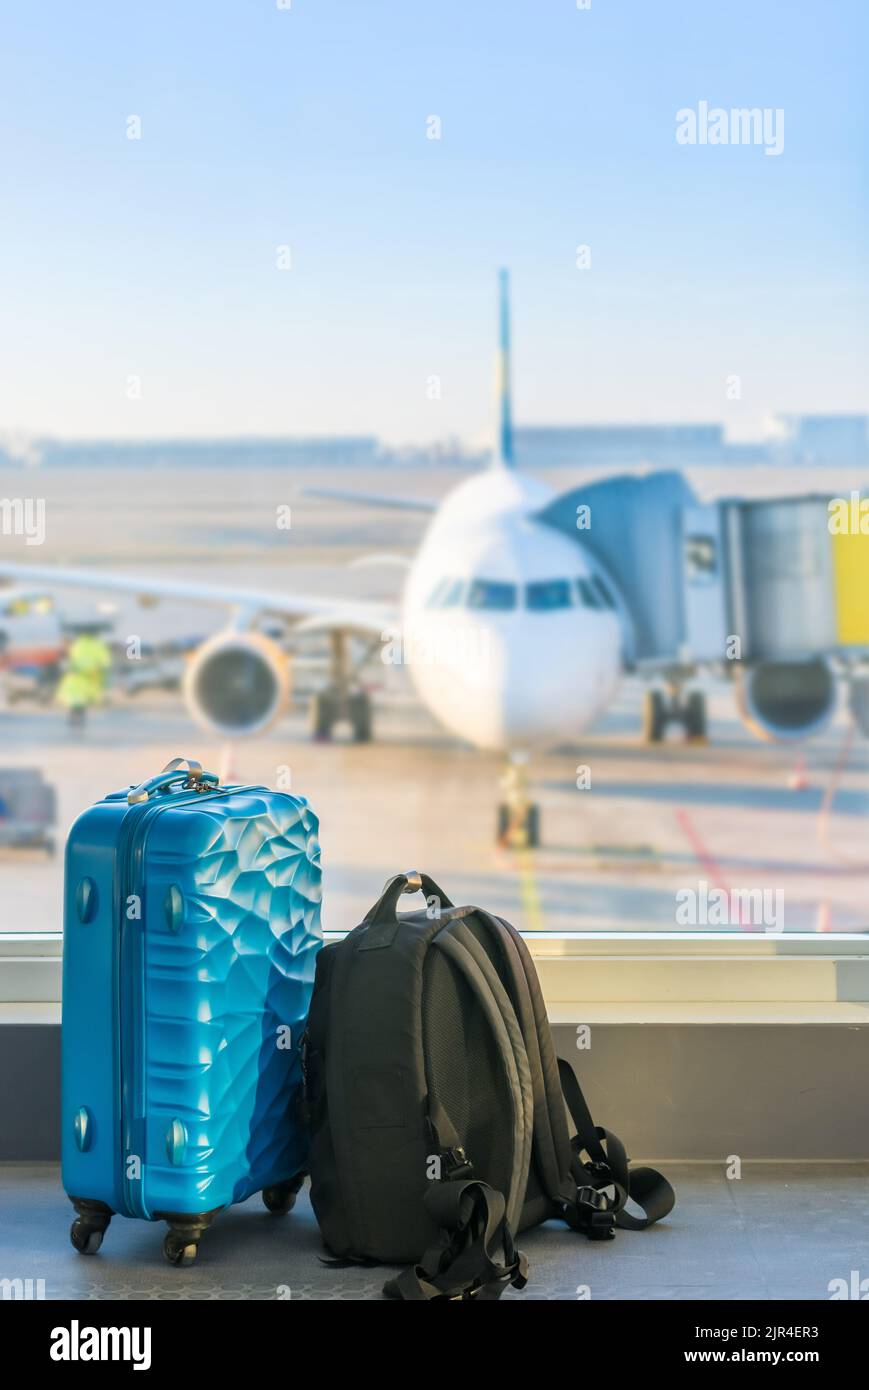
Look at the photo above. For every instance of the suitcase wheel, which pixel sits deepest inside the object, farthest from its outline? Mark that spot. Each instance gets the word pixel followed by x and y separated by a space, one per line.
pixel 178 1252
pixel 86 1238
pixel 282 1197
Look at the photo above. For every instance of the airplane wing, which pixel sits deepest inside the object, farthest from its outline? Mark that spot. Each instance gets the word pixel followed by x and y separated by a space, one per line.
pixel 373 499
pixel 351 615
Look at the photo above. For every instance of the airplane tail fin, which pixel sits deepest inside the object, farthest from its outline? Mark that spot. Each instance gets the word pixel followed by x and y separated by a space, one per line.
pixel 503 453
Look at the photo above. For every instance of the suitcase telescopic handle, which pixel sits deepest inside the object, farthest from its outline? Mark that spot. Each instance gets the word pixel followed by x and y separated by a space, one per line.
pixel 193 777
pixel 386 907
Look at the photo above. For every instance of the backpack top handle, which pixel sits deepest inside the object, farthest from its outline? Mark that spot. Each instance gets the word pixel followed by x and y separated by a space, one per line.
pixel 386 908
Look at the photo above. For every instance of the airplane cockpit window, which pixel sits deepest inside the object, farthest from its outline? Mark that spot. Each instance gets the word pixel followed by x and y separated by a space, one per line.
pixel 546 595
pixel 453 594
pixel 603 591
pixel 437 593
pixel 447 593
pixel 588 595
pixel 594 593
pixel 493 595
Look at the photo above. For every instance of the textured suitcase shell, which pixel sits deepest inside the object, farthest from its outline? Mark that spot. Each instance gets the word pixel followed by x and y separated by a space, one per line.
pixel 190 934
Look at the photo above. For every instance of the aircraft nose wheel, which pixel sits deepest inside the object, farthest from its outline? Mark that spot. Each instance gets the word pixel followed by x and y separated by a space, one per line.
pixel 519 830
pixel 518 818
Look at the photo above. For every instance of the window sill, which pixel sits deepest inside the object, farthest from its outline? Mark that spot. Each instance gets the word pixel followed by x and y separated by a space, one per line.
pixel 632 976
pixel 762 1013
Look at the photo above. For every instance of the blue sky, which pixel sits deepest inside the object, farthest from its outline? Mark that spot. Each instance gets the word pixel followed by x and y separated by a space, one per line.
pixel 306 127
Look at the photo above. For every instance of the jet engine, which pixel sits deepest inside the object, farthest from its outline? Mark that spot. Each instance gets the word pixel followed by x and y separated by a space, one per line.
pixel 786 700
pixel 237 683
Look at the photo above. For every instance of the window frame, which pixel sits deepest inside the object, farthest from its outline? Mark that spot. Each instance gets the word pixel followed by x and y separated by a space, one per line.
pixel 634 977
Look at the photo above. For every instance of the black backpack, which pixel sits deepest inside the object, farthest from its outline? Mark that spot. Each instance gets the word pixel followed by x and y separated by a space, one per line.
pixel 437 1105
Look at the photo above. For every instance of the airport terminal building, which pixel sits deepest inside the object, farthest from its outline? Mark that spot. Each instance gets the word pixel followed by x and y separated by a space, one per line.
pixel 789 440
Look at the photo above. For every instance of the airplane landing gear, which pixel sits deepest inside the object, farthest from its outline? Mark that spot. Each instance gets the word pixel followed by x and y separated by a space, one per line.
pixel 661 708
pixel 518 818
pixel 341 700
pixel 329 707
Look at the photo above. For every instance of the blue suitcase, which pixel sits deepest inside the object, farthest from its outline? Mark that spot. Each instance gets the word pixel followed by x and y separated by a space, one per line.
pixel 191 928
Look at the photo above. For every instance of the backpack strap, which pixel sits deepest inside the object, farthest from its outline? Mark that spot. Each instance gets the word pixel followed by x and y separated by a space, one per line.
pixel 551 1139
pixel 475 1257
pixel 466 953
pixel 592 1211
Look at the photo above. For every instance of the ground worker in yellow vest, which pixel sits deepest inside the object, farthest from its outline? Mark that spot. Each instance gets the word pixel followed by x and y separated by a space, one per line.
pixel 83 682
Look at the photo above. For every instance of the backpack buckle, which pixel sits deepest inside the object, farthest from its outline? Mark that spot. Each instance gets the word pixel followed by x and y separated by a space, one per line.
pixel 455 1163
pixel 592 1215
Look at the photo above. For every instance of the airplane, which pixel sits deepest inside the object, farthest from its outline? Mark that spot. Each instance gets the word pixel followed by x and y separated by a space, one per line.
pixel 515 623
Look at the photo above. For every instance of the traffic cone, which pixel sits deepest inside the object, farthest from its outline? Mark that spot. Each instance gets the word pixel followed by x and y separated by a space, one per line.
pixel 798 780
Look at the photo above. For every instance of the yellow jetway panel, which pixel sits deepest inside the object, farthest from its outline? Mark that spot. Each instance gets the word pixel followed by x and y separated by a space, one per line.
pixel 851 571
pixel 796 590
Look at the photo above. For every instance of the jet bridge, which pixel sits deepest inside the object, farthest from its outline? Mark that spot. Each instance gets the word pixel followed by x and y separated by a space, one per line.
pixel 632 528
pixel 770 585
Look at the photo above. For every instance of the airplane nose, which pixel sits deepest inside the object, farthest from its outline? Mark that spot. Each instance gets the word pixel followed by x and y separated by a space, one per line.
pixel 555 694
pixel 521 686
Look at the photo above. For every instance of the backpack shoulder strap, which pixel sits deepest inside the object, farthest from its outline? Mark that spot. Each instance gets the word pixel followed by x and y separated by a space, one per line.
pixel 474 1255
pixel 607 1167
pixel 551 1139
pixel 468 955
pixel 576 1187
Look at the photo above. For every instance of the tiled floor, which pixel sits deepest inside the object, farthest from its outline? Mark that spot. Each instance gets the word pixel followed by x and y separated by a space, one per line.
pixel 779 1232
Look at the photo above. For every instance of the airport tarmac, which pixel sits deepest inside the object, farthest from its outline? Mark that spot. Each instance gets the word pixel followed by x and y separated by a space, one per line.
pixel 653 821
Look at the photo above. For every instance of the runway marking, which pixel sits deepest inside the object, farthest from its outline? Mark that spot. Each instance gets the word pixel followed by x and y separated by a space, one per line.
pixel 709 864
pixel 528 890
